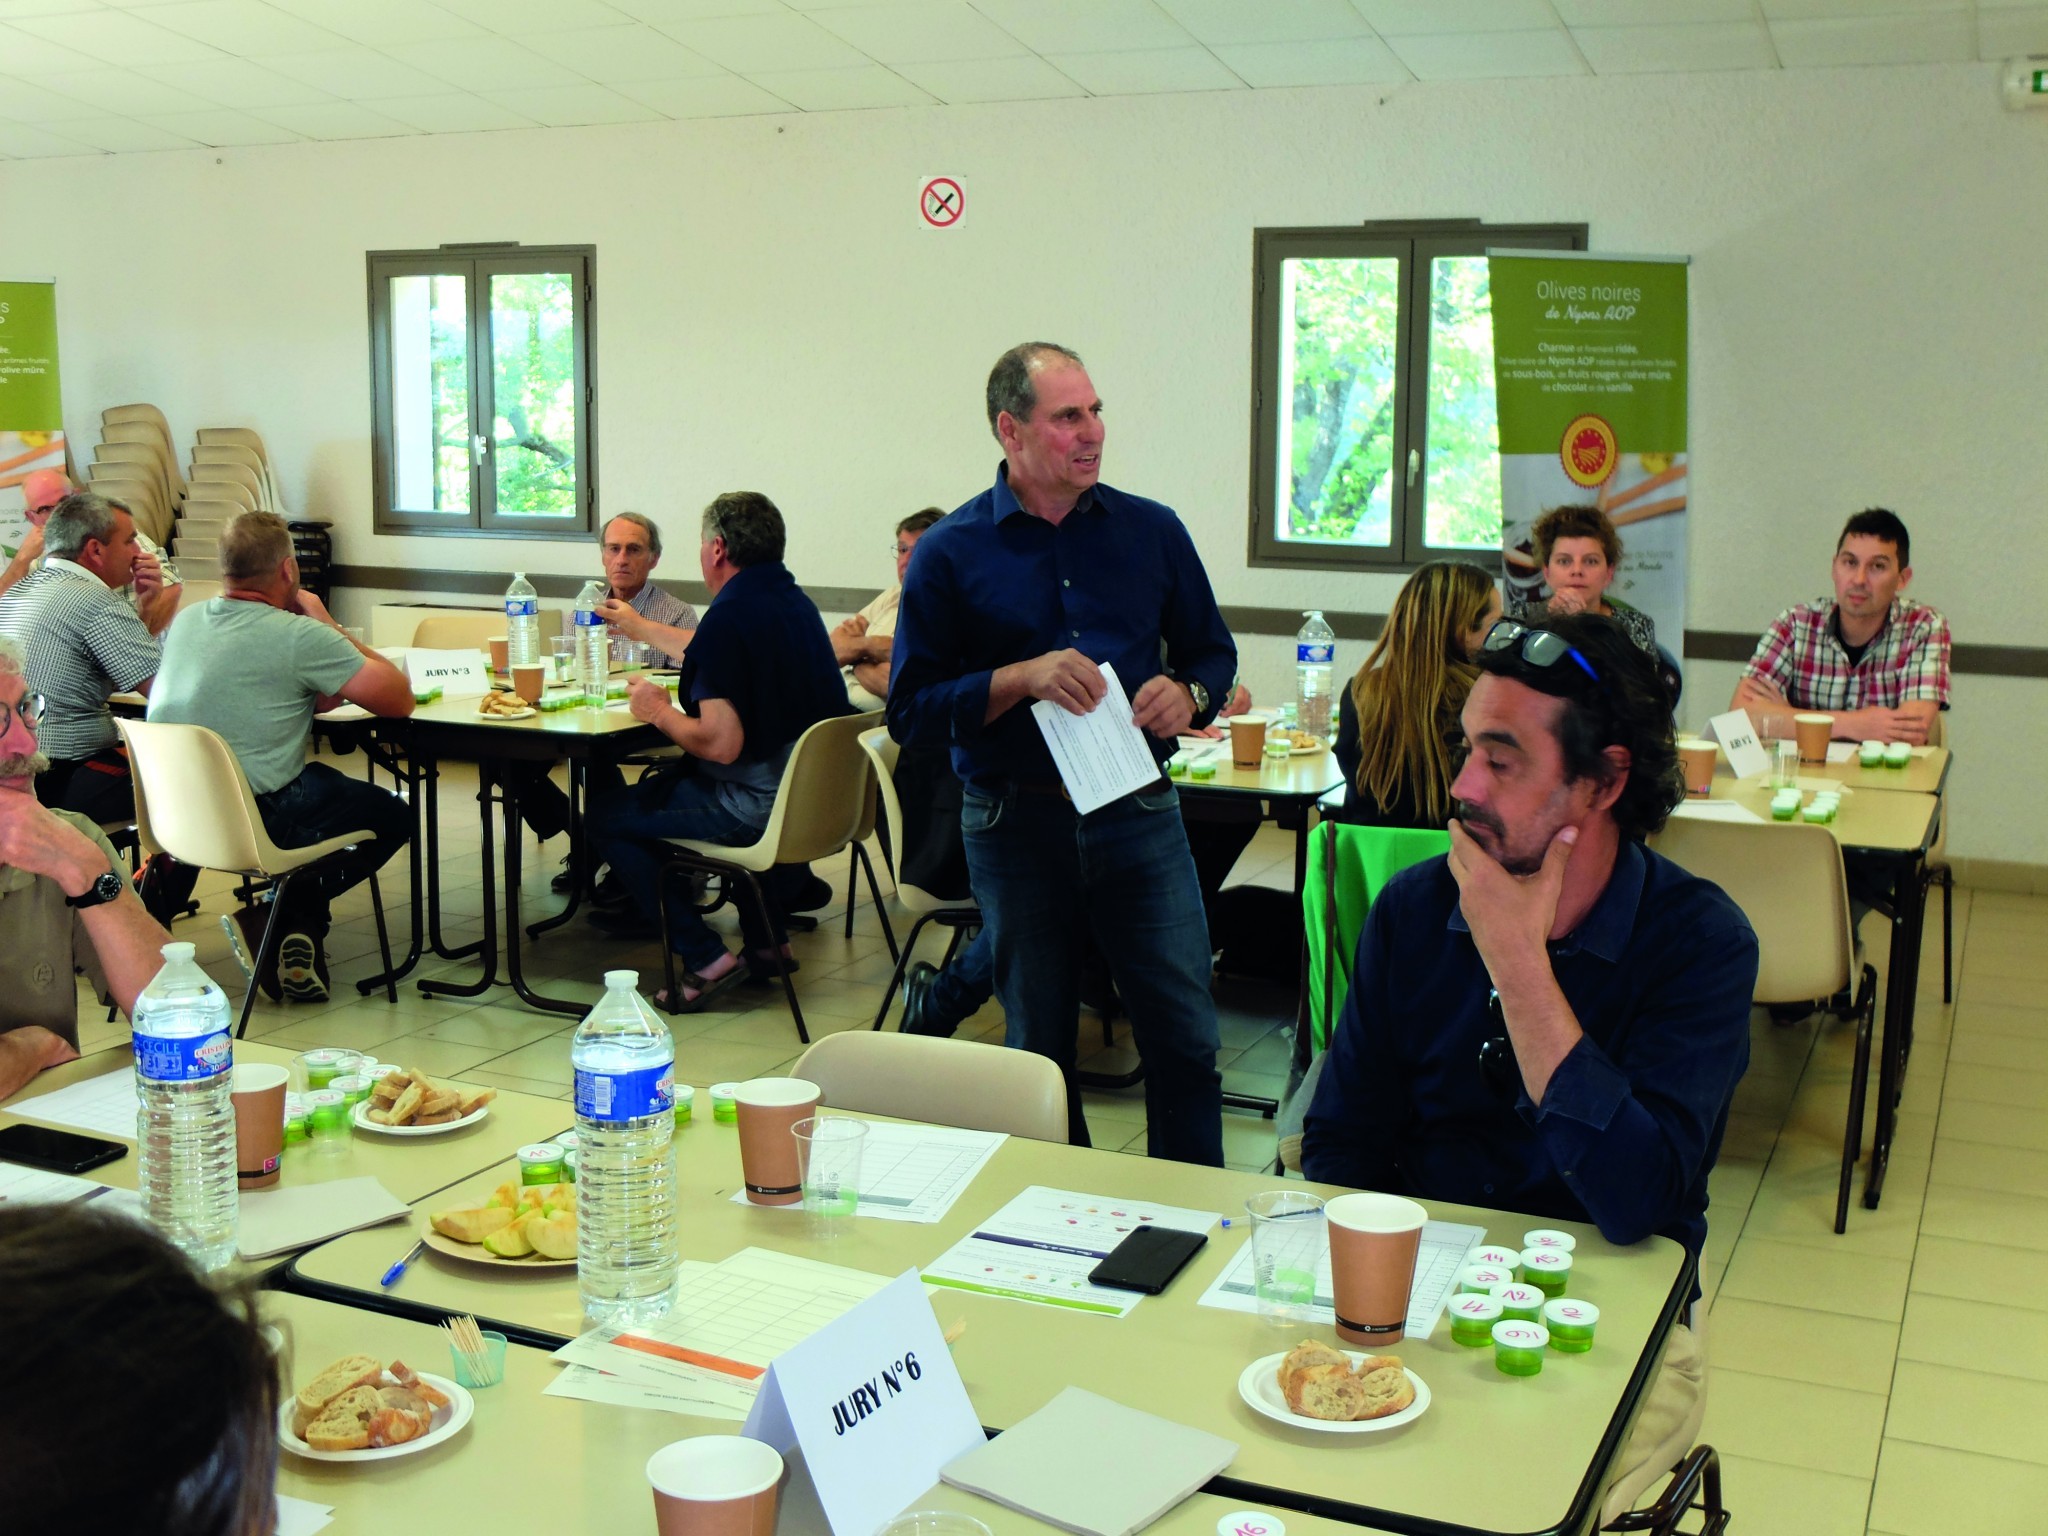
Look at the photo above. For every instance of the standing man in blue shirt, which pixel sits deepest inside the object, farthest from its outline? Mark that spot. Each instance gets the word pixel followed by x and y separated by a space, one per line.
pixel 1026 593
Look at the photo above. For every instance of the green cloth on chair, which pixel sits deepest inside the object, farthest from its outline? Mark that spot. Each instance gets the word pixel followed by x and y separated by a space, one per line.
pixel 1335 899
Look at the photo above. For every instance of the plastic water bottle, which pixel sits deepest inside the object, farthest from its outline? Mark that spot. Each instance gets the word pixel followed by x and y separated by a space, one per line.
pixel 522 622
pixel 1315 672
pixel 185 1112
pixel 593 644
pixel 628 1251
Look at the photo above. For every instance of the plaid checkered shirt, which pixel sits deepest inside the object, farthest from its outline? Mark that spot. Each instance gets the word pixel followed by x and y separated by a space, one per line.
pixel 1907 659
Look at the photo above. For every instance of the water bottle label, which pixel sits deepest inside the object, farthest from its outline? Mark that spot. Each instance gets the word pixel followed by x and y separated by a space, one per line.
pixel 587 618
pixel 521 607
pixel 1314 653
pixel 621 1096
pixel 191 1059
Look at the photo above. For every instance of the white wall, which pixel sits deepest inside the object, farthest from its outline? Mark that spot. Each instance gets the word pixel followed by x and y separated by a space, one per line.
pixel 1869 298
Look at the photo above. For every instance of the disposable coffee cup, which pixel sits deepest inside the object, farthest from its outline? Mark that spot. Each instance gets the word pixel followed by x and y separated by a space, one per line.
pixel 1247 740
pixel 768 1107
pixel 529 682
pixel 501 651
pixel 715 1485
pixel 1697 757
pixel 1813 732
pixel 1373 1243
pixel 259 1123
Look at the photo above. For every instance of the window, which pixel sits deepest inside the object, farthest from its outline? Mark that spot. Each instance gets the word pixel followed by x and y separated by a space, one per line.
pixel 481 389
pixel 1373 435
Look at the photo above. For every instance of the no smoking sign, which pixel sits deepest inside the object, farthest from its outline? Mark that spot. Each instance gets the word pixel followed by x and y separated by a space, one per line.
pixel 941 202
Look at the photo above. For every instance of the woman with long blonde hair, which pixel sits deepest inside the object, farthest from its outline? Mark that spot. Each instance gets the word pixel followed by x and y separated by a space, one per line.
pixel 1397 727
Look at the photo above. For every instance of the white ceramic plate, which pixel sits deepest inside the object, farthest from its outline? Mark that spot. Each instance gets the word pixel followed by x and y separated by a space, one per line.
pixel 477 1253
pixel 1259 1386
pixel 361 1115
pixel 448 1422
pixel 507 714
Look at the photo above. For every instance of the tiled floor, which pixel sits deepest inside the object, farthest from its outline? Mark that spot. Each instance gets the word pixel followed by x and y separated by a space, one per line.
pixel 1860 1383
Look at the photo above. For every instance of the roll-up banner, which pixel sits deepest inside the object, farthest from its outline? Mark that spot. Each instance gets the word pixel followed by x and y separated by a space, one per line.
pixel 31 412
pixel 1589 359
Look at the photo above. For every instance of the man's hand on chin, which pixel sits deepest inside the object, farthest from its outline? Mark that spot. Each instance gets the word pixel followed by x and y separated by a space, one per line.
pixel 1510 915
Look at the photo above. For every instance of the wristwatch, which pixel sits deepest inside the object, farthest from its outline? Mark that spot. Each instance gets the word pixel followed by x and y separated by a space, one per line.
pixel 103 889
pixel 1198 693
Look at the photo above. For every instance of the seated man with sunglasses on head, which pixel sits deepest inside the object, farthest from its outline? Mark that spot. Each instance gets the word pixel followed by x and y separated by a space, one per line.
pixel 1552 1018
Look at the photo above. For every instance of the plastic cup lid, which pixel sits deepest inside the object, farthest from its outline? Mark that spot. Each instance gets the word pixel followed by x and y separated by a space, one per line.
pixel 1507 1256
pixel 722 1090
pixel 1477 1308
pixel 1250 1522
pixel 1514 1334
pixel 1572 1312
pixel 1486 1274
pixel 1551 1260
pixel 1546 1237
pixel 322 1098
pixel 541 1152
pixel 1519 1295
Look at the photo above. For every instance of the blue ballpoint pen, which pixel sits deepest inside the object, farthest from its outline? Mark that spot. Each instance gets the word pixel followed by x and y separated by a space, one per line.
pixel 391 1275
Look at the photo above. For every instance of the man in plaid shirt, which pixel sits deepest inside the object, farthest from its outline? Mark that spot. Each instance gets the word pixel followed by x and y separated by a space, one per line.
pixel 1874 660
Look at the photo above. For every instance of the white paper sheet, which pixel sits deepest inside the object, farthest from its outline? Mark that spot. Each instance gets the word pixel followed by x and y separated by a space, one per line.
pixel 1842 751
pixel 32 1186
pixel 1437 1262
pixel 298 1517
pixel 1748 758
pixel 295 1216
pixel 1715 810
pixel 594 1386
pixel 1101 755
pixel 913 1172
pixel 1041 1246
pixel 104 1105
pixel 458 674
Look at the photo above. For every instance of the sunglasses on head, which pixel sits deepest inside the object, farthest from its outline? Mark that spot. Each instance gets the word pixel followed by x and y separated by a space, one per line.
pixel 1538 647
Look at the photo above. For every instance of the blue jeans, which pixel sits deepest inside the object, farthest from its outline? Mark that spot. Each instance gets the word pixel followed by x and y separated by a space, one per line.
pixel 967 981
pixel 1048 880
pixel 627 823
pixel 323 802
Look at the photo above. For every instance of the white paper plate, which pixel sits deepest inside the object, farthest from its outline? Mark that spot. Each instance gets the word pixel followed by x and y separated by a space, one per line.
pixel 361 1115
pixel 1259 1386
pixel 507 714
pixel 448 1422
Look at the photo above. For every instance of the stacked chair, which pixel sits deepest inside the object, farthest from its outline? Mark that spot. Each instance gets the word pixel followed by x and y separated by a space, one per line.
pixel 135 463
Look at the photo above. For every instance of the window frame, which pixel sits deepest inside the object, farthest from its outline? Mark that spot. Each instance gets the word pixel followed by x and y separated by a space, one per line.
pixel 1415 244
pixel 477 264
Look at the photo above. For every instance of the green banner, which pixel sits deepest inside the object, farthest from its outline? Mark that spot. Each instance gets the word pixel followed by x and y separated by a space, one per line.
pixel 31 410
pixel 1590 387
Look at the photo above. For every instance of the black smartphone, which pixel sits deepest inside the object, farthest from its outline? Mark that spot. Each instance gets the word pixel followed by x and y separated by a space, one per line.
pixel 1148 1259
pixel 57 1151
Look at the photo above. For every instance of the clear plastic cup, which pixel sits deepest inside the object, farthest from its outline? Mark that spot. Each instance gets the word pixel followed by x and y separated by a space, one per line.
pixel 1290 1245
pixel 828 1149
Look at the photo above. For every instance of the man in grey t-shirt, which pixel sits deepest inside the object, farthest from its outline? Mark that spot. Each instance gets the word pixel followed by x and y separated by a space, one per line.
pixel 255 664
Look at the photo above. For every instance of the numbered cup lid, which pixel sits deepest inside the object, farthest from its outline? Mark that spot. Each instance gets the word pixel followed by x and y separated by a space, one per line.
pixel 1570 1312
pixel 1546 1237
pixel 1519 1335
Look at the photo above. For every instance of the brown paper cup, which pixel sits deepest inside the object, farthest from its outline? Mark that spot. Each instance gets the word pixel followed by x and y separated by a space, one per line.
pixel 1247 740
pixel 1697 758
pixel 259 1123
pixel 1373 1243
pixel 768 1108
pixel 527 682
pixel 501 651
pixel 715 1485
pixel 1813 732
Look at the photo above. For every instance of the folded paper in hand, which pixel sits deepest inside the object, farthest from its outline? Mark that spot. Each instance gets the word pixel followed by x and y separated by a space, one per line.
pixel 1102 755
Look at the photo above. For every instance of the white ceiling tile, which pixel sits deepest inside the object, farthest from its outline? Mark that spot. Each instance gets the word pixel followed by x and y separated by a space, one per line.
pixel 20 142
pixel 1930 39
pixel 115 37
pixel 1028 78
pixel 124 135
pixel 1841 10
pixel 335 120
pixel 613 54
pixel 24 103
pixel 1439 18
pixel 752 45
pixel 26 55
pixel 234 83
pixel 517 17
pixel 842 90
pixel 1221 22
pixel 10 8
pixel 381 23
pixel 705 96
pixel 485 64
pixel 659 13
pixel 1642 13
pixel 1489 55
pixel 1342 61
pixel 455 113
pixel 1701 45
pixel 244 27
pixel 124 92
pixel 1148 71
pixel 1085 26
pixel 356 74
pixel 926 32
pixel 218 128
pixel 575 106
pixel 2006 31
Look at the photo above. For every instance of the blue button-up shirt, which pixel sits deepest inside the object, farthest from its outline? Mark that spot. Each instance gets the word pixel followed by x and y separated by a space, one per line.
pixel 1659 974
pixel 1118 580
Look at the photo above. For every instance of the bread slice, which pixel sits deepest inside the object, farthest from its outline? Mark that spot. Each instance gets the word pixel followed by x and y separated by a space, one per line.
pixel 408 1103
pixel 349 1371
pixel 344 1424
pixel 440 1100
pixel 1327 1392
pixel 474 1099
pixel 1384 1391
pixel 446 1116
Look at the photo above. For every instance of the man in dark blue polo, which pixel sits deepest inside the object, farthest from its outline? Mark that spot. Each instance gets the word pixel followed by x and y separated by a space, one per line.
pixel 1024 594
pixel 758 673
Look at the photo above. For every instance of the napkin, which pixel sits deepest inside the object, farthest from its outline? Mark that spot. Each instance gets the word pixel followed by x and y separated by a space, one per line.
pixel 279 1220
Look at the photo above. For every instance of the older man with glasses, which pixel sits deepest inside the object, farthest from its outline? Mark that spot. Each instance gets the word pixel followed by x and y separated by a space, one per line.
pixel 1552 1018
